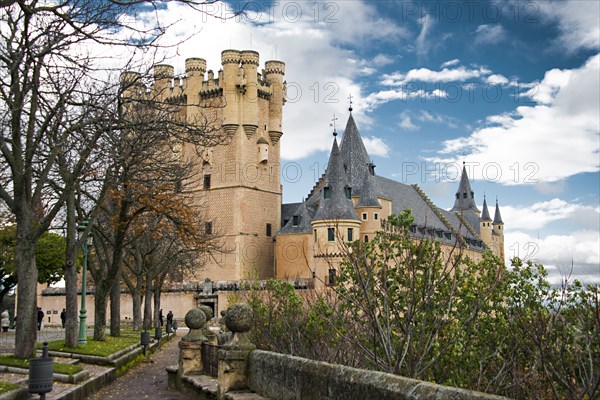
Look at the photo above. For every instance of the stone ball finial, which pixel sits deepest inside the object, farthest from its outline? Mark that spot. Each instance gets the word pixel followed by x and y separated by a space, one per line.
pixel 207 310
pixel 239 318
pixel 195 319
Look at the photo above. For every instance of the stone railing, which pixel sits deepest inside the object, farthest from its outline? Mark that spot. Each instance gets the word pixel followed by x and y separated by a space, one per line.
pixel 245 373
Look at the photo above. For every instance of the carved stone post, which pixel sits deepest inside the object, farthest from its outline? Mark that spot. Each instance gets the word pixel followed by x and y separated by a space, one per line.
pixel 233 356
pixel 190 346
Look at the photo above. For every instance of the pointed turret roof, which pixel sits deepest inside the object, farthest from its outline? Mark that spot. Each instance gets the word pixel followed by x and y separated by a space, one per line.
pixel 485 214
pixel 497 217
pixel 355 158
pixel 337 205
pixel 368 194
pixel 465 198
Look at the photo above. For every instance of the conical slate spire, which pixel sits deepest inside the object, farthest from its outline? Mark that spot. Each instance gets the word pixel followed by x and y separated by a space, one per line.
pixel 355 158
pixel 465 198
pixel 368 194
pixel 485 214
pixel 497 217
pixel 335 202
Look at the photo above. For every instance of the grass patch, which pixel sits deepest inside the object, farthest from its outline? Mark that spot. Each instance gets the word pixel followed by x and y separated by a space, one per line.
pixel 8 386
pixel 95 348
pixel 59 368
pixel 126 367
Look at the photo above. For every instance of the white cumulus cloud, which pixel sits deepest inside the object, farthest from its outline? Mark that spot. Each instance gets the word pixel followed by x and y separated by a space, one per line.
pixel 552 140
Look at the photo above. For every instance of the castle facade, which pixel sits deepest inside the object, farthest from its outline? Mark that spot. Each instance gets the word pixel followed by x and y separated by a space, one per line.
pixel 241 189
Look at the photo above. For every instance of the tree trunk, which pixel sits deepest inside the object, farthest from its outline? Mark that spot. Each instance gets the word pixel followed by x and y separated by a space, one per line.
pixel 136 296
pixel 156 295
pixel 71 323
pixel 115 308
pixel 100 299
pixel 147 307
pixel 27 275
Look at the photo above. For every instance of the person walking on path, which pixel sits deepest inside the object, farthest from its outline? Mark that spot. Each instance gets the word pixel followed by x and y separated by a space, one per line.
pixel 170 319
pixel 63 317
pixel 160 317
pixel 40 318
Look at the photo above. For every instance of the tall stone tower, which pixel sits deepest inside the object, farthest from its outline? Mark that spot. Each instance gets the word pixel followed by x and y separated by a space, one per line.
pixel 238 179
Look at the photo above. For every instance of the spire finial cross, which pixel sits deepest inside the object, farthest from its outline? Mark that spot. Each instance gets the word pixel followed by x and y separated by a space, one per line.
pixel 333 124
pixel 350 100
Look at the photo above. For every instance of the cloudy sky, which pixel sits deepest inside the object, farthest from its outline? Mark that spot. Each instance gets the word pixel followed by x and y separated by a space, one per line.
pixel 510 87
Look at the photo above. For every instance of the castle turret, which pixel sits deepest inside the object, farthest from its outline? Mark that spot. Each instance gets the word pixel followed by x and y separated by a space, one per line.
pixel 336 219
pixel 498 230
pixel 250 60
pixel 230 83
pixel 274 72
pixel 131 84
pixel 354 155
pixel 194 71
pixel 465 197
pixel 485 225
pixel 163 78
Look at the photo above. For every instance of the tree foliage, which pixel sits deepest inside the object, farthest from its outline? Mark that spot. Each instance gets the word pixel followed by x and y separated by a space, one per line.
pixel 406 307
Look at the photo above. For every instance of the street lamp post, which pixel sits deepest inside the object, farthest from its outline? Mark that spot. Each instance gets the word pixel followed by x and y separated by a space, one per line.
pixel 86 242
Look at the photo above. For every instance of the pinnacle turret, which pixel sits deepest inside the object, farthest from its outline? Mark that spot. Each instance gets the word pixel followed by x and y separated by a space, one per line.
pixel 497 217
pixel 485 214
pixel 354 155
pixel 465 197
pixel 336 194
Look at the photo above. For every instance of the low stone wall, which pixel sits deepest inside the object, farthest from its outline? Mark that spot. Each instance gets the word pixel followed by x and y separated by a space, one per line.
pixel 283 377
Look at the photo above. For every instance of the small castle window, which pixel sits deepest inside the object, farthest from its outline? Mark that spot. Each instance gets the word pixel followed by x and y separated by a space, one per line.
pixel 350 234
pixel 207 181
pixel 208 228
pixel 348 191
pixel 315 234
pixel 457 196
pixel 364 216
pixel 268 229
pixel 472 194
pixel 375 216
pixel 330 234
pixel 331 277
pixel 295 220
pixel 285 221
pixel 465 195
pixel 366 239
pixel 326 192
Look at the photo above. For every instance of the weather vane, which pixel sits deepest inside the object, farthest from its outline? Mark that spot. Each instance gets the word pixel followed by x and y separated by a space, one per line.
pixel 350 100
pixel 333 124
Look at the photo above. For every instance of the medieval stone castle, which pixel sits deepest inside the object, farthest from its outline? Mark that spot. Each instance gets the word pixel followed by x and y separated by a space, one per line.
pixel 241 186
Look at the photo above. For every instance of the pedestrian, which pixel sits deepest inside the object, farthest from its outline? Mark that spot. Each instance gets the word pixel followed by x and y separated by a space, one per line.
pixel 40 318
pixel 169 319
pixel 63 317
pixel 160 317
pixel 5 321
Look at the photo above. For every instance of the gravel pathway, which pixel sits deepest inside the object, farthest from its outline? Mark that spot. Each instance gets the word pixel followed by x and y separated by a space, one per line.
pixel 148 380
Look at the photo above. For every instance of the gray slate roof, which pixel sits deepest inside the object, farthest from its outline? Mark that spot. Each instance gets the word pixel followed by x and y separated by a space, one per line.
pixel 497 217
pixel 354 155
pixel 349 166
pixel 465 198
pixel 337 205
pixel 369 191
pixel 485 214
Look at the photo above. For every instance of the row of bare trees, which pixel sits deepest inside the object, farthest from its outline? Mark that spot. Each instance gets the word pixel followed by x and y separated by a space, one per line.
pixel 69 153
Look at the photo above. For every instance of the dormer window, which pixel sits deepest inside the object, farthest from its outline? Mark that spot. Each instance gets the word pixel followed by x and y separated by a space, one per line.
pixel 465 195
pixel 472 194
pixel 295 220
pixel 457 196
pixel 326 192
pixel 348 191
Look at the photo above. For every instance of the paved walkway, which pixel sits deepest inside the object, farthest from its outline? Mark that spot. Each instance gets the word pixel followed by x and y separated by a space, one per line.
pixel 148 380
